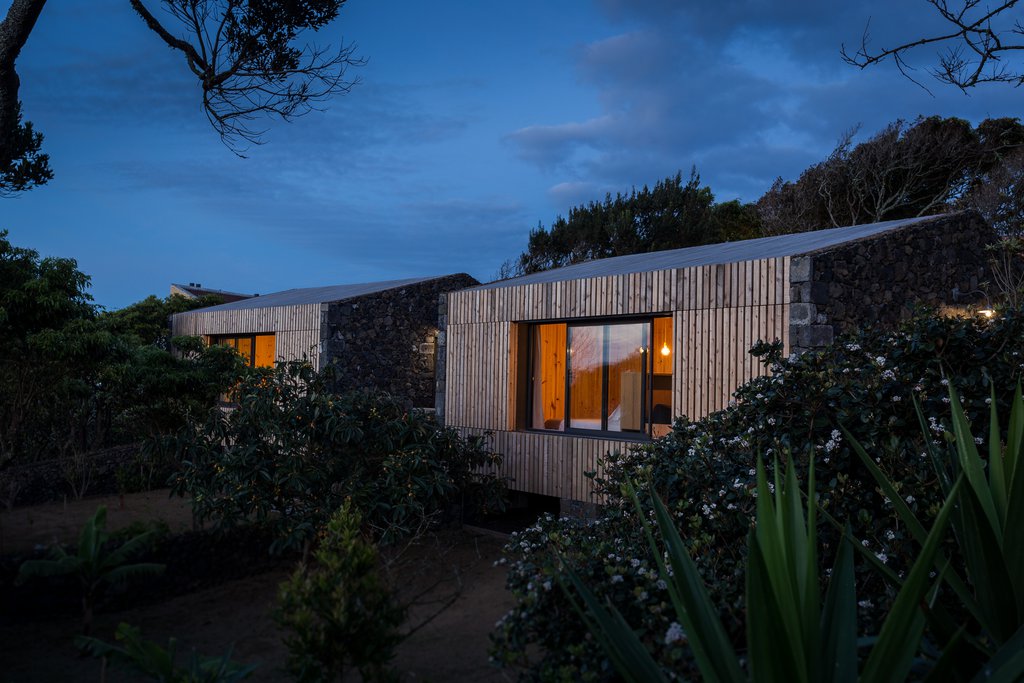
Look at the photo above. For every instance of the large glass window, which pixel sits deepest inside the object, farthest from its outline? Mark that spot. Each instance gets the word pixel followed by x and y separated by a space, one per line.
pixel 602 377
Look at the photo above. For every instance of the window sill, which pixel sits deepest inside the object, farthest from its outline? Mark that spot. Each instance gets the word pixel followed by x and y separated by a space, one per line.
pixel 593 434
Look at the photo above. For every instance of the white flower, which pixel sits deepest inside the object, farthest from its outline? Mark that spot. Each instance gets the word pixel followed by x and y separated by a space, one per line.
pixel 864 604
pixel 617 578
pixel 674 634
pixel 897 398
pixel 944 382
pixel 883 557
pixel 910 499
pixel 891 535
pixel 880 360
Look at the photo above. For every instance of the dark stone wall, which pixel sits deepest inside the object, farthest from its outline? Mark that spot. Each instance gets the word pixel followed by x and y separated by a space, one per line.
pixel 388 340
pixel 874 281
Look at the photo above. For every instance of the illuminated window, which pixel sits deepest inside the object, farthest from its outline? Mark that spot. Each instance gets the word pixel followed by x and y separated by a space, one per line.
pixel 258 350
pixel 601 377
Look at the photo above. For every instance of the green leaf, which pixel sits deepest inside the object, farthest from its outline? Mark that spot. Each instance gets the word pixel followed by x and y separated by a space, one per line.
pixel 712 649
pixel 893 653
pixel 771 651
pixel 839 619
pixel 622 645
pixel 971 464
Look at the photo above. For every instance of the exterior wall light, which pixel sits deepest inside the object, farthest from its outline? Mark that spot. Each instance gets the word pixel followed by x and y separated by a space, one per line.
pixel 665 350
pixel 986 312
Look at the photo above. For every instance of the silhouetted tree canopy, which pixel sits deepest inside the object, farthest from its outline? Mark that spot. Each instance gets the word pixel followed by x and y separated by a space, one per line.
pixel 673 214
pixel 249 57
pixel 905 170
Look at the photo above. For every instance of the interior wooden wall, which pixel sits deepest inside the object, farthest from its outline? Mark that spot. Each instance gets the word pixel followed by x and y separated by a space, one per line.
pixel 718 312
pixel 296 328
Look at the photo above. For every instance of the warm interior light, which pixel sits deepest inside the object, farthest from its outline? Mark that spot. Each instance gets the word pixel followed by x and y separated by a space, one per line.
pixel 665 350
pixel 987 312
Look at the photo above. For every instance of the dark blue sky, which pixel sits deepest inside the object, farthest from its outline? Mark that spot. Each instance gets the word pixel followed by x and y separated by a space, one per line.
pixel 473 121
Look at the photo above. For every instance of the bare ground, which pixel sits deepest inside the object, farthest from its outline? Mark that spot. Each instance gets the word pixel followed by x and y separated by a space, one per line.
pixel 464 596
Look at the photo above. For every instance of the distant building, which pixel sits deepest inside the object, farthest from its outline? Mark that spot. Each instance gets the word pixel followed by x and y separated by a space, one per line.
pixel 379 335
pixel 194 290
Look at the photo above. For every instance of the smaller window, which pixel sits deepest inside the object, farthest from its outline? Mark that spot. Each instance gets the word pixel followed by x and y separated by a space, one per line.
pixel 258 350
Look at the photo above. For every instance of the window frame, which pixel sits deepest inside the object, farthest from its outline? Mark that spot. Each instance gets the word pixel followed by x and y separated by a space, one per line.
pixel 647 405
pixel 251 336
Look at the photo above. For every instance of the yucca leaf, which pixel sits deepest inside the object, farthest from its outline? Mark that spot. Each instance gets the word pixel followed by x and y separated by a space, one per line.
pixel 893 652
pixel 1014 437
pixel 996 474
pixel 772 652
pixel 622 645
pixel 712 650
pixel 1013 539
pixel 993 584
pixel 771 532
pixel 1007 664
pixel 839 620
pixel 950 660
pixel 971 464
pixel 907 516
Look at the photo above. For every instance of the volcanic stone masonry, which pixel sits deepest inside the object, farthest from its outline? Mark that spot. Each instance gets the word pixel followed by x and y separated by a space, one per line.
pixel 388 340
pixel 875 281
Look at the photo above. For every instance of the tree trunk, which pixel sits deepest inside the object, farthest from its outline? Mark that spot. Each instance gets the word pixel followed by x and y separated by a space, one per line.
pixel 14 32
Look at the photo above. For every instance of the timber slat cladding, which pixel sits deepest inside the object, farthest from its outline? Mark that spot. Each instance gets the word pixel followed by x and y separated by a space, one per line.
pixel 296 328
pixel 718 312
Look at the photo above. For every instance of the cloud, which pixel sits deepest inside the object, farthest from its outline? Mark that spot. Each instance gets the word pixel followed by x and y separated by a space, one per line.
pixel 747 90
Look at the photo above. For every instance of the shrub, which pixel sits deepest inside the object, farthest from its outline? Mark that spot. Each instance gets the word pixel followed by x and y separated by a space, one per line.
pixel 292 451
pixel 146 658
pixel 704 471
pixel 339 612
pixel 96 564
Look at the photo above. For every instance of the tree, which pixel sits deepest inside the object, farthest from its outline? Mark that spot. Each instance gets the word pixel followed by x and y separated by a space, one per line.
pixel 243 53
pixel 73 380
pixel 22 166
pixel 903 171
pixel 147 319
pixel 979 39
pixel 673 214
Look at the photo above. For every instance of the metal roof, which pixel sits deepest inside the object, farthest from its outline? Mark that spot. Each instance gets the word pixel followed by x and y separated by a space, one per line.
pixel 709 254
pixel 313 295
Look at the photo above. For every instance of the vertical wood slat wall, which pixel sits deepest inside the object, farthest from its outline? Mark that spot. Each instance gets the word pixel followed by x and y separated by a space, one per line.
pixel 296 328
pixel 719 312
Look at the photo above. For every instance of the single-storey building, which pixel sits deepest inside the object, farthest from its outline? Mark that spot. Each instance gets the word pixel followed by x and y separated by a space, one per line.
pixel 378 334
pixel 565 365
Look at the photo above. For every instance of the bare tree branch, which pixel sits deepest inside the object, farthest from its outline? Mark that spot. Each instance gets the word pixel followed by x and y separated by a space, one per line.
pixel 976 46
pixel 245 56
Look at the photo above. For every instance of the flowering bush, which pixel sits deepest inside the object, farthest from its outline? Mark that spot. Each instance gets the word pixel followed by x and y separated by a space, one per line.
pixel 704 471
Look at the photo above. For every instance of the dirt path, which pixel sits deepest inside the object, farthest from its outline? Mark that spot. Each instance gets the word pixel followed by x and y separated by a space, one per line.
pixel 23 528
pixel 457 566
